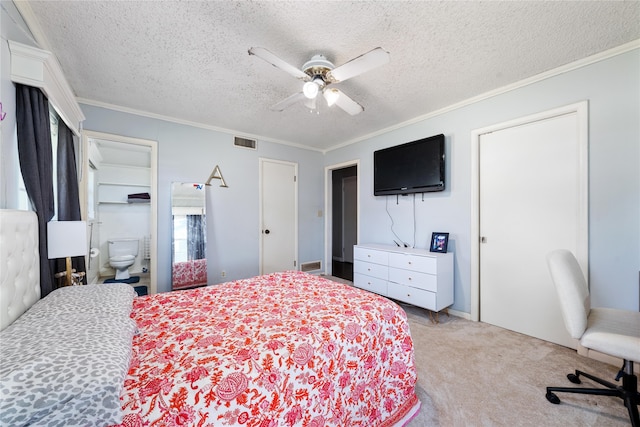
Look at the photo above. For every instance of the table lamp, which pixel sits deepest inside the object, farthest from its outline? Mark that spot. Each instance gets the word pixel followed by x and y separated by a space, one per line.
pixel 67 239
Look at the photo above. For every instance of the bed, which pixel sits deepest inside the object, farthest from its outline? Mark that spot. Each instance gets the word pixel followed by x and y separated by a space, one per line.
pixel 189 274
pixel 285 349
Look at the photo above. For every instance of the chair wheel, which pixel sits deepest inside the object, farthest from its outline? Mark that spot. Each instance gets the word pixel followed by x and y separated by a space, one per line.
pixel 551 397
pixel 574 379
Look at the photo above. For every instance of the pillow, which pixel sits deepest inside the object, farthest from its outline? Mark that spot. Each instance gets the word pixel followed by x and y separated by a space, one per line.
pixel 112 298
pixel 64 361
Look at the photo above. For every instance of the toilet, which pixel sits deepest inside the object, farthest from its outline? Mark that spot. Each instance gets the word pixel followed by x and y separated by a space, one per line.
pixel 122 255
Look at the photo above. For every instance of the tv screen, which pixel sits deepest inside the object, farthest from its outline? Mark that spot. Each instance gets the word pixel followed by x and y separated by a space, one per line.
pixel 414 167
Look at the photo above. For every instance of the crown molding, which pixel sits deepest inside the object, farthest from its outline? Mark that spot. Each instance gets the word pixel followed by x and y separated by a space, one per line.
pixel 170 119
pixel 39 68
pixel 598 57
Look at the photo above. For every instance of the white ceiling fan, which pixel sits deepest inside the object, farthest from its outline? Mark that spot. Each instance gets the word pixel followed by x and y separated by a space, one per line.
pixel 319 74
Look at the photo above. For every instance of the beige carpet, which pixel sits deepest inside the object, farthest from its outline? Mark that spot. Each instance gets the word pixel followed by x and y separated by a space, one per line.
pixel 476 374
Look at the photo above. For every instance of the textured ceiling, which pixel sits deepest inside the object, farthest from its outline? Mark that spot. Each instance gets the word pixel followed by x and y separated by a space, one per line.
pixel 189 61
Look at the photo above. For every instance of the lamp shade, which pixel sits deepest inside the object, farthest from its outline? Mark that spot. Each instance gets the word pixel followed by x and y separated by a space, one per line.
pixel 66 239
pixel 310 89
pixel 331 96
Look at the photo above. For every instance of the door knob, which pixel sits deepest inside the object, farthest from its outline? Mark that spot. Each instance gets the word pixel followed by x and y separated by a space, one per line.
pixel 266 232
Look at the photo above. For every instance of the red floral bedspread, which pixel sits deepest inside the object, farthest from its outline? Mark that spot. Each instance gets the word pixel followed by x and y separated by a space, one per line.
pixel 189 274
pixel 286 349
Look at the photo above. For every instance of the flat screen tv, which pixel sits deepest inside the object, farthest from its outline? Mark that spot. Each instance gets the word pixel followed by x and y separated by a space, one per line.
pixel 414 167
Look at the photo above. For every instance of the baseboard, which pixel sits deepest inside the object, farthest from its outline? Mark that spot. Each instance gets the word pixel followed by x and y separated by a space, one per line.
pixel 461 314
pixel 592 354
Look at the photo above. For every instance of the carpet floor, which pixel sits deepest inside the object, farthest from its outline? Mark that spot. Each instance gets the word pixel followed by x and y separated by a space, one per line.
pixel 473 374
pixel 476 374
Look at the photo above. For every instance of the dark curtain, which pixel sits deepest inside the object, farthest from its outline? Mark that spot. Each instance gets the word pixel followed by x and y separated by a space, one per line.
pixel 196 239
pixel 36 164
pixel 68 192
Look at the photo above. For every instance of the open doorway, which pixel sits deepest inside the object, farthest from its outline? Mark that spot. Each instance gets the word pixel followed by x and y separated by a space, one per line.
pixel 120 205
pixel 344 224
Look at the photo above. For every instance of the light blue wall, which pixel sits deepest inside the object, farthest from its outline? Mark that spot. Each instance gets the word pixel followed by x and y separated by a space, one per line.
pixel 189 154
pixel 612 88
pixel 12 27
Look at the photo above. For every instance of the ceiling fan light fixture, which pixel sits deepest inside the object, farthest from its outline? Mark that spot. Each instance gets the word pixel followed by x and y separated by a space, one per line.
pixel 331 96
pixel 310 89
pixel 311 104
pixel 318 72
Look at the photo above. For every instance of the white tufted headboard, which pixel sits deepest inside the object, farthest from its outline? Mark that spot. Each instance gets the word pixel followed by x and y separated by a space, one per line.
pixel 19 264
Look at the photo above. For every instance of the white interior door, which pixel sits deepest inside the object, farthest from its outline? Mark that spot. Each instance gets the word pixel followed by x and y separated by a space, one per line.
pixel 279 218
pixel 349 217
pixel 532 180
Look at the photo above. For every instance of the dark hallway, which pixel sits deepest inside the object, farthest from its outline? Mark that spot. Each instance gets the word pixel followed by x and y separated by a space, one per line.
pixel 344 270
pixel 344 221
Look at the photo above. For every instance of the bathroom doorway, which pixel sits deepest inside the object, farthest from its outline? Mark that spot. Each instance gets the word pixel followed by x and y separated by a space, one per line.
pixel 120 188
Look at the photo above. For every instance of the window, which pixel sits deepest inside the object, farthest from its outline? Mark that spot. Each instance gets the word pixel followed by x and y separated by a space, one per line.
pixel 23 202
pixel 180 247
pixel 53 119
pixel 91 193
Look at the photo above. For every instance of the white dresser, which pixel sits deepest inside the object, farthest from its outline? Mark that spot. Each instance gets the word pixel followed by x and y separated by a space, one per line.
pixel 415 276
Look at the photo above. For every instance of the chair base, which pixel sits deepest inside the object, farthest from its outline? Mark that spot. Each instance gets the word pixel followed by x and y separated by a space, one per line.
pixel 628 392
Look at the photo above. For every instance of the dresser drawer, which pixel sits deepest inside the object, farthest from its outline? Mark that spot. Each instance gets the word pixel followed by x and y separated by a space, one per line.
pixel 371 284
pixel 428 282
pixel 370 255
pixel 411 275
pixel 414 262
pixel 418 297
pixel 369 269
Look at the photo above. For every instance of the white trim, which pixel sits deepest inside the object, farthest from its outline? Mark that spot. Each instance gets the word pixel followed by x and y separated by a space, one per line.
pixel 38 68
pixel 328 206
pixel 457 313
pixel 610 53
pixel 34 27
pixel 88 134
pixel 193 124
pixel 582 111
pixel 619 50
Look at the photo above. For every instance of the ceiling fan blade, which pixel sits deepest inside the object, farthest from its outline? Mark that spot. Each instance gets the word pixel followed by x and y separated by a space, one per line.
pixel 347 104
pixel 359 65
pixel 287 102
pixel 269 57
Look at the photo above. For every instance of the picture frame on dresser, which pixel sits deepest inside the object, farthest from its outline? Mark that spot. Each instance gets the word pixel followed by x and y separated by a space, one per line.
pixel 439 242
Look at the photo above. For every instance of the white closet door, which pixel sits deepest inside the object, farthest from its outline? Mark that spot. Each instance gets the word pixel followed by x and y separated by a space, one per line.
pixel 531 202
pixel 279 216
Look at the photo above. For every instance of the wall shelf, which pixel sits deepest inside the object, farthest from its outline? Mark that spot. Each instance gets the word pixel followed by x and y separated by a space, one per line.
pixel 122 203
pixel 124 184
pixel 116 193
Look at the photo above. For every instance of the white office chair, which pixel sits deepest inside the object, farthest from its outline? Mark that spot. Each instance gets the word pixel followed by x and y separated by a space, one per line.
pixel 605 330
